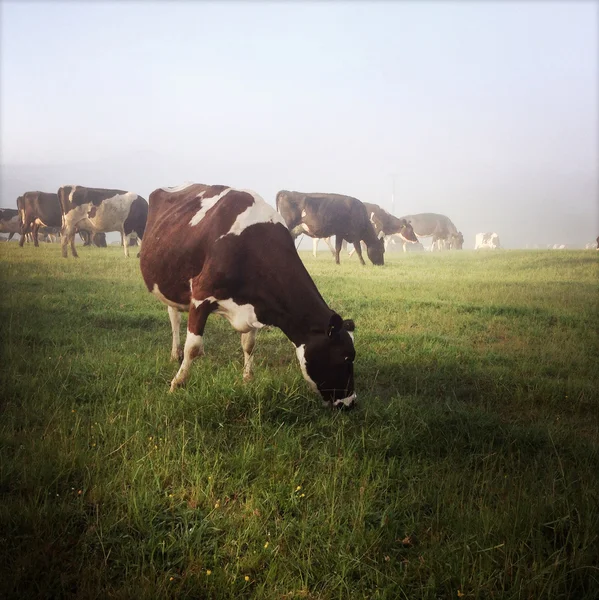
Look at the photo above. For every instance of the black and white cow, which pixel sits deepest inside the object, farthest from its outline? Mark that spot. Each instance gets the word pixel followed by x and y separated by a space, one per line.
pixel 388 224
pixel 10 222
pixel 38 209
pixel 217 249
pixel 444 233
pixel 325 215
pixel 100 210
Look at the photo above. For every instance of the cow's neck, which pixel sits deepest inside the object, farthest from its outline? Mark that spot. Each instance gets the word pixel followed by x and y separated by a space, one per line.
pixel 393 225
pixel 370 237
pixel 295 305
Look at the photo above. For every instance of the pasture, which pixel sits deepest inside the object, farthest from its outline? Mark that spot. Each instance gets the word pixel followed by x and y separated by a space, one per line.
pixel 470 468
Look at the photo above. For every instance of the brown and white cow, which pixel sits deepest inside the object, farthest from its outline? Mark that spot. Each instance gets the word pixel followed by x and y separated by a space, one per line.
pixel 38 209
pixel 99 210
pixel 390 225
pixel 325 215
pixel 217 249
pixel 10 222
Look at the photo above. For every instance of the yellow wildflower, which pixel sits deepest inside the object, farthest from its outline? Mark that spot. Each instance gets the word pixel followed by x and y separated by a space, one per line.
pixel 247 577
pixel 208 572
pixel 266 545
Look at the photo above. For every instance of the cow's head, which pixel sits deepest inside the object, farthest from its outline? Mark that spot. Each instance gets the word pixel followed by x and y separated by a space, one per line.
pixel 457 240
pixel 406 231
pixel 376 250
pixel 327 362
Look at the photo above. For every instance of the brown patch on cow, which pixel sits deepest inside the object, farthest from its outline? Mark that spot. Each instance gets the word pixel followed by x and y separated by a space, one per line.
pixel 92 212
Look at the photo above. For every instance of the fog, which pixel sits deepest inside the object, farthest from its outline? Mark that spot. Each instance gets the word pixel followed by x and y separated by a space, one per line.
pixel 485 112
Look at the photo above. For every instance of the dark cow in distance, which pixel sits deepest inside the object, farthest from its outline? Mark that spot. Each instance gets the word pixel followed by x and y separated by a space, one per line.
pixel 99 210
pixel 324 215
pixel 38 209
pixel 10 222
pixel 390 225
pixel 217 249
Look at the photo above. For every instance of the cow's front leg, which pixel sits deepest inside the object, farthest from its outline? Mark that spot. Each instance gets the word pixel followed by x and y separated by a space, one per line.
pixel 125 239
pixel 176 350
pixel 358 248
pixel 194 342
pixel 248 341
pixel 68 236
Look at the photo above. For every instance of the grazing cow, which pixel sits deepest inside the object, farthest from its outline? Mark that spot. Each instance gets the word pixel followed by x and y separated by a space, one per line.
pixel 10 222
pixel 38 209
pixel 324 215
pixel 390 225
pixel 488 240
pixel 98 211
pixel 217 249
pixel 98 239
pixel 444 233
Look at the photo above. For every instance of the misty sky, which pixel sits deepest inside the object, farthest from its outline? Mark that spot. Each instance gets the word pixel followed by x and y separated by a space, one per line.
pixel 486 112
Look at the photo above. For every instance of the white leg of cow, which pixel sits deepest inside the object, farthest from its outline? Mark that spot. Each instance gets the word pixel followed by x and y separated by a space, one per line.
pixel 194 342
pixel 175 316
pixel 194 347
pixel 248 341
pixel 314 246
pixel 68 236
pixel 125 239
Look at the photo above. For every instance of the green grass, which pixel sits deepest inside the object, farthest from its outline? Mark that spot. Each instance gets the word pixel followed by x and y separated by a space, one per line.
pixel 470 467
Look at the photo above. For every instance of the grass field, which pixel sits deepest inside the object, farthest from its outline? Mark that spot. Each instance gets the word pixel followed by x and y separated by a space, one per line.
pixel 470 468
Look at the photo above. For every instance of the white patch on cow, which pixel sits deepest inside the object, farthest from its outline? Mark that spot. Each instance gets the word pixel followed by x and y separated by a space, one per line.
pixel 207 204
pixel 258 212
pixel 304 213
pixel 345 401
pixel 351 335
pixel 178 188
pixel 306 228
pixel 38 221
pixel 372 217
pixel 241 316
pixel 156 291
pixel 301 357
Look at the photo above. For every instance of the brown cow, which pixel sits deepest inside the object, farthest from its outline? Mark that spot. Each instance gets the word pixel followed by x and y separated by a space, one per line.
pixel 217 249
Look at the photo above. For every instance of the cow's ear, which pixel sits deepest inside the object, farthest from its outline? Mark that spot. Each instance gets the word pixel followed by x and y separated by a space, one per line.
pixel 349 325
pixel 335 324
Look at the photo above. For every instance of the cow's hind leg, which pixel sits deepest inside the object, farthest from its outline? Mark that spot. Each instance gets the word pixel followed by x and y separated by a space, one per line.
pixel 194 342
pixel 248 341
pixel 68 236
pixel 338 245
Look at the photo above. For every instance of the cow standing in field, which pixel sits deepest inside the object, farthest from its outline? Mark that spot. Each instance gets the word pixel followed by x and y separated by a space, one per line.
pixel 38 209
pixel 489 240
pixel 10 222
pixel 444 233
pixel 100 210
pixel 325 215
pixel 216 249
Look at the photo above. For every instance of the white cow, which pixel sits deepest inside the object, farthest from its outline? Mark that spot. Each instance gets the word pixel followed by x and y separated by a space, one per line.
pixel 488 240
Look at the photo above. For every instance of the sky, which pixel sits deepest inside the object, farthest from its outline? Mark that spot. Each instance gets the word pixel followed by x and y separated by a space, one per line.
pixel 483 111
